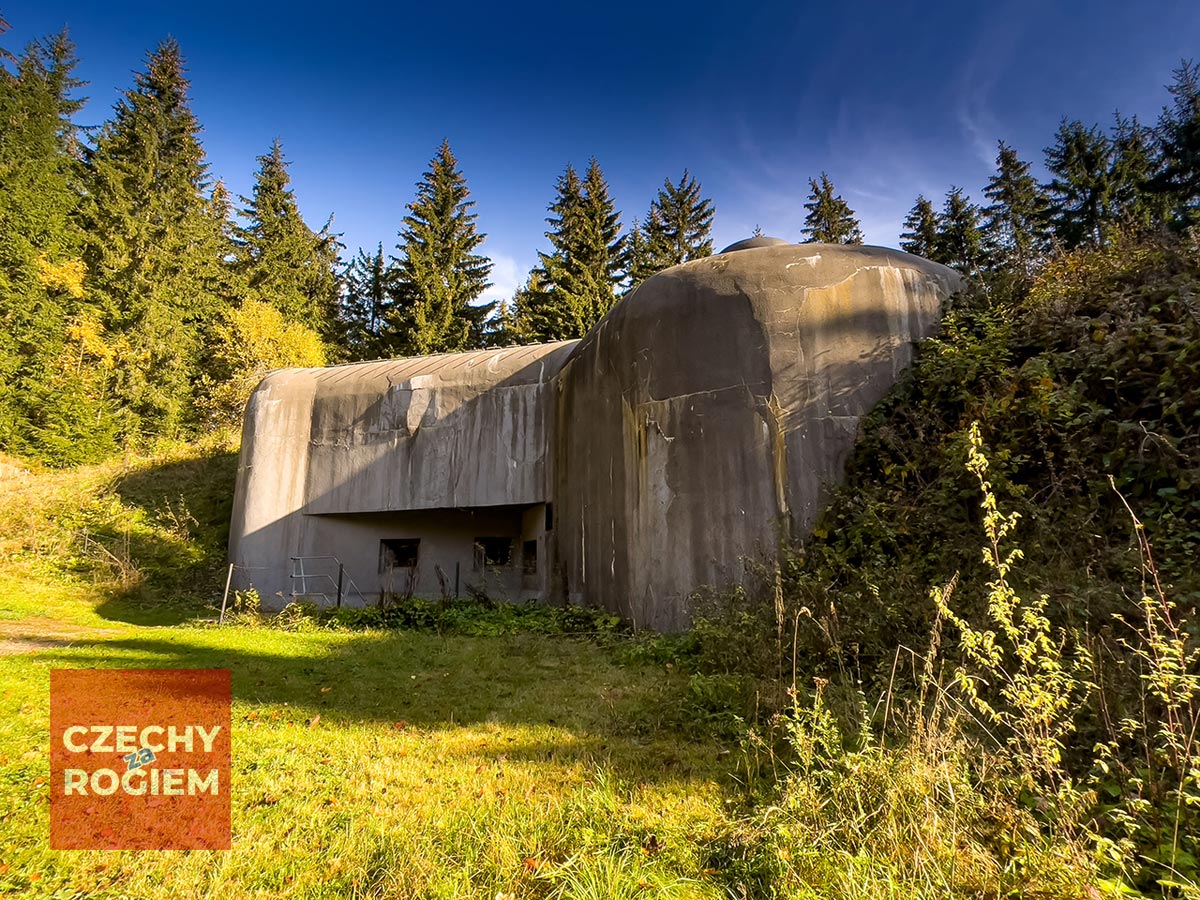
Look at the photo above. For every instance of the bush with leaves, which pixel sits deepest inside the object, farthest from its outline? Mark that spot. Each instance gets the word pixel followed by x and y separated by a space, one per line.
pixel 1092 369
pixel 1017 674
pixel 253 340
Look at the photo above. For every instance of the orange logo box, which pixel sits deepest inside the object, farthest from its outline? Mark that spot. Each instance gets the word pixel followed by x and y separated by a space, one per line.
pixel 139 759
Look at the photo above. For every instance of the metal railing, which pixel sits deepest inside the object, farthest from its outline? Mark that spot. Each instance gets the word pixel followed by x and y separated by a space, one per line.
pixel 340 584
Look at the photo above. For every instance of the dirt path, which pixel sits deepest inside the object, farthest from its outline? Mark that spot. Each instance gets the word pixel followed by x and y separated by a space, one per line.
pixel 40 633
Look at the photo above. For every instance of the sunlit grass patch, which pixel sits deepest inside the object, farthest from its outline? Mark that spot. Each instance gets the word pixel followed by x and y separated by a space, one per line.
pixel 385 764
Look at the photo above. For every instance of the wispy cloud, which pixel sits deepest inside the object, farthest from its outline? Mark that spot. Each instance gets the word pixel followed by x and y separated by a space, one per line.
pixel 989 58
pixel 979 125
pixel 507 275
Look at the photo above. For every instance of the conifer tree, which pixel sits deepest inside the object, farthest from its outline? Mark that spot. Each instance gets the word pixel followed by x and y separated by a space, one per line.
pixel 1081 191
pixel 959 240
pixel 920 236
pixel 510 327
pixel 638 264
pixel 154 249
pixel 53 401
pixel 830 219
pixel 1016 223
pixel 368 286
pixel 283 261
pixel 577 280
pixel 603 248
pixel 439 275
pixel 679 225
pixel 229 277
pixel 1179 136
pixel 1136 203
pixel 501 328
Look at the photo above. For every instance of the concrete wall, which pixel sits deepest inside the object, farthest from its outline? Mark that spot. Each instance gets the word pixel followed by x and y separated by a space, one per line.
pixel 455 431
pixel 711 410
pixel 447 542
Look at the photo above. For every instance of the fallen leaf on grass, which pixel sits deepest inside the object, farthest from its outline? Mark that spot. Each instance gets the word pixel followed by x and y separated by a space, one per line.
pixel 314 721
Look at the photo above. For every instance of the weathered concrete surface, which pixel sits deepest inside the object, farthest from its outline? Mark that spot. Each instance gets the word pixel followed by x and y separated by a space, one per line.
pixel 460 430
pixel 697 425
pixel 706 416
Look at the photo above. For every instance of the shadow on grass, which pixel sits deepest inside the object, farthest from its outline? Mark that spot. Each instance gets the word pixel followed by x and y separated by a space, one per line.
pixel 580 705
pixel 167 540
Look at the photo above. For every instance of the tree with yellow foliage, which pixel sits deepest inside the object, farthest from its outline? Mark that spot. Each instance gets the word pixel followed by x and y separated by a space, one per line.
pixel 252 341
pixel 42 275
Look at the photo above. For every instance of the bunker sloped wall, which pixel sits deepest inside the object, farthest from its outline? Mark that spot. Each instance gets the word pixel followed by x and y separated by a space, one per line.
pixel 459 430
pixel 705 418
pixel 440 433
pixel 266 527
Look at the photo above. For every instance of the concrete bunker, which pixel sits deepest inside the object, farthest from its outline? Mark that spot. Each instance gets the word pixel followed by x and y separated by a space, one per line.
pixel 701 420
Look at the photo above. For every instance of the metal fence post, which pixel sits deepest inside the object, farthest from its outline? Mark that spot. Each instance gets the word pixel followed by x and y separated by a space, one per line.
pixel 225 597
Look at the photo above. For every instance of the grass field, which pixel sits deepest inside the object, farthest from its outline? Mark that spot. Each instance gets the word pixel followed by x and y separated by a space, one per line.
pixel 374 764
pixel 394 765
pixel 443 763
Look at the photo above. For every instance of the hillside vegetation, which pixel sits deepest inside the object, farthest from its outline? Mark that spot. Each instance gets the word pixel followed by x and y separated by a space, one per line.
pixel 1054 424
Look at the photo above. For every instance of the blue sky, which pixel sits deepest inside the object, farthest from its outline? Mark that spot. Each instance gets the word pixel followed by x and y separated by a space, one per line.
pixel 892 99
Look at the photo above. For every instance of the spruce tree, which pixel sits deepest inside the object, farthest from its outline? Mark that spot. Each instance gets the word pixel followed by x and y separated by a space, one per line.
pixel 1016 223
pixel 959 240
pixel 679 224
pixel 368 285
pixel 284 262
pixel 510 327
pixel 1136 203
pixel 638 264
pixel 920 236
pixel 440 276
pixel 154 248
pixel 1081 191
pixel 830 219
pixel 577 280
pixel 603 250
pixel 53 401
pixel 1179 136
